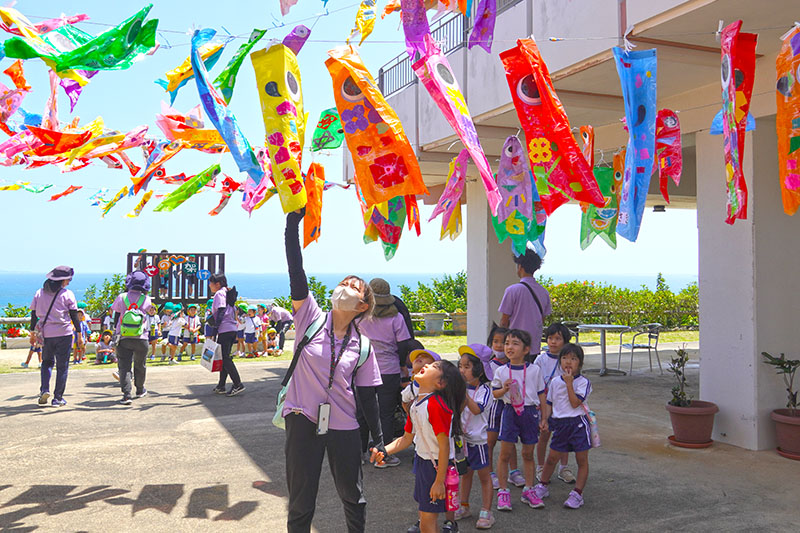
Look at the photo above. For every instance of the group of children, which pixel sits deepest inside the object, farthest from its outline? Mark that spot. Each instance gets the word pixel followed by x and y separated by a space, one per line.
pixel 78 350
pixel 253 330
pixel 501 395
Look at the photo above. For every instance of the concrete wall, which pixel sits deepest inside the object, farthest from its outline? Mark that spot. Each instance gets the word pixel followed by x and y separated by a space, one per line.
pixel 748 287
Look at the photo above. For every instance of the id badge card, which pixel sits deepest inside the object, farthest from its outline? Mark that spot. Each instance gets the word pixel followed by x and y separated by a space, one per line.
pixel 323 418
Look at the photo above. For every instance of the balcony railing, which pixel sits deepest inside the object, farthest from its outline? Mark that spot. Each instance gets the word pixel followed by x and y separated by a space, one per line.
pixel 450 32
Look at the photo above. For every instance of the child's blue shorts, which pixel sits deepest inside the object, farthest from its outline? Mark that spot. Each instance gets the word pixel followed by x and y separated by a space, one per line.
pixel 240 334
pixel 524 427
pixel 424 476
pixel 570 434
pixel 152 338
pixel 249 338
pixel 478 456
pixel 189 340
pixel 173 340
pixel 495 415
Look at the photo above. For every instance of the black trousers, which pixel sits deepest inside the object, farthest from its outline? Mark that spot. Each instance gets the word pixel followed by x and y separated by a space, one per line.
pixel 304 453
pixel 132 351
pixel 282 327
pixel 226 341
pixel 388 400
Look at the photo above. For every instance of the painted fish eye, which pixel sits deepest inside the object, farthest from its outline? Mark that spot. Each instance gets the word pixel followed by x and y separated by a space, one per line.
pixel 725 73
pixel 585 135
pixel 351 91
pixel 133 31
pixel 445 74
pixel 302 31
pixel 293 86
pixel 509 150
pixel 528 92
pixel 784 85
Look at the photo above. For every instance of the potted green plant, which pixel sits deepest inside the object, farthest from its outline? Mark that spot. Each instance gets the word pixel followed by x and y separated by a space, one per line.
pixel 434 322
pixel 459 318
pixel 787 421
pixel 692 420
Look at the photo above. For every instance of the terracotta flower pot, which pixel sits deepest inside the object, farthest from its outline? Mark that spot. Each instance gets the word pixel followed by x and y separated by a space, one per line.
pixel 787 429
pixel 693 424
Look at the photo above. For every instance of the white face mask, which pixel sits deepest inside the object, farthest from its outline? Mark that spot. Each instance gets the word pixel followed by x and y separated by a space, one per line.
pixel 345 298
pixel 499 355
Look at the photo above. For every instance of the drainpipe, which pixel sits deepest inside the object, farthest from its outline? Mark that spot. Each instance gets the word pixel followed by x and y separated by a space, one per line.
pixel 622 21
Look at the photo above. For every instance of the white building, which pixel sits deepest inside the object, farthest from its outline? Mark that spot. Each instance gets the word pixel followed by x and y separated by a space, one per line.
pixel 747 273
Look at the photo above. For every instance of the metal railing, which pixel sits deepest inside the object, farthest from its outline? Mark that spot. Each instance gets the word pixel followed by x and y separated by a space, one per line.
pixel 450 32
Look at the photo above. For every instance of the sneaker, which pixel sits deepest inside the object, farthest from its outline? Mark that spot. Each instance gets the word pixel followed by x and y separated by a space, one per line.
pixel 566 475
pixel 449 527
pixel 389 461
pixel 126 400
pixel 191 358
pixel 529 496
pixel 462 512
pixel 516 478
pixel 116 375
pixel 141 394
pixel 163 358
pixel 574 500
pixel 414 528
pixel 43 397
pixel 539 470
pixel 541 490
pixel 179 358
pixel 62 402
pixel 503 500
pixel 24 365
pixel 236 390
pixel 173 362
pixel 495 481
pixel 218 390
pixel 485 520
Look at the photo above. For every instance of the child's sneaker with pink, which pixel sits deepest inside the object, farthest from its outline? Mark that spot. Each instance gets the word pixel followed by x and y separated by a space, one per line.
pixel 503 500
pixel 462 512
pixel 516 478
pixel 574 500
pixel 495 481
pixel 485 520
pixel 529 496
pixel 541 490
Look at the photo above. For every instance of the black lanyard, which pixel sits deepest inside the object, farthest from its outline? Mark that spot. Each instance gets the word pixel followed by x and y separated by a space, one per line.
pixel 334 358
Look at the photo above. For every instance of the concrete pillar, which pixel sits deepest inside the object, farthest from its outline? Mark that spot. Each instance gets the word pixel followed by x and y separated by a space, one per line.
pixel 748 289
pixel 490 267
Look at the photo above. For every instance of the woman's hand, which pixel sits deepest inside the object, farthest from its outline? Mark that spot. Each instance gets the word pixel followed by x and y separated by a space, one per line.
pixel 296 216
pixel 376 457
pixel 437 491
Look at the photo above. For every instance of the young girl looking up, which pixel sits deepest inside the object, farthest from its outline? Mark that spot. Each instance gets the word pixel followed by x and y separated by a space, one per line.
pixel 568 422
pixel 557 335
pixel 153 326
pixel 474 421
pixel 519 383
pixel 442 392
pixel 497 341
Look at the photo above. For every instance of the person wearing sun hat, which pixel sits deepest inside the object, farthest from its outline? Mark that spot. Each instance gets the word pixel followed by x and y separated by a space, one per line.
pixel 482 352
pixel 386 329
pixel 419 357
pixel 132 350
pixel 54 314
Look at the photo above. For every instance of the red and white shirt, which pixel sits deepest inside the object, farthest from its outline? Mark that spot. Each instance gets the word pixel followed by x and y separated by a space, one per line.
pixel 429 417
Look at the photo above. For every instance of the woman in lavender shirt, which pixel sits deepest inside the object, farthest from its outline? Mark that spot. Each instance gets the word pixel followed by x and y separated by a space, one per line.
pixel 55 311
pixel 223 327
pixel 326 377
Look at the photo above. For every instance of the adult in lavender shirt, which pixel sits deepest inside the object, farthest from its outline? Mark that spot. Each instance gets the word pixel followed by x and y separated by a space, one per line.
pixel 132 350
pixel 386 329
pixel 327 373
pixel 223 328
pixel 55 306
pixel 283 321
pixel 519 308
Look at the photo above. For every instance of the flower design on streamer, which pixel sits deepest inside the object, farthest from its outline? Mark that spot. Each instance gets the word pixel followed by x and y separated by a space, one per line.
pixel 276 139
pixel 458 100
pixel 388 170
pixel 372 115
pixel 539 150
pixel 354 119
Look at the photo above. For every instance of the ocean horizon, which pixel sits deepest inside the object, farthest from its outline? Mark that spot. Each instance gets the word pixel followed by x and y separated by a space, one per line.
pixel 17 288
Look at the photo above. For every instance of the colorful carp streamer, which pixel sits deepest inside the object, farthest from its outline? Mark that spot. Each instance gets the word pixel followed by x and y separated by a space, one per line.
pixel 227 78
pixel 255 194
pixel 602 221
pixel 558 165
pixel 188 189
pixel 787 66
pixel 190 129
pixel 281 94
pixel 138 209
pixel 68 48
pixel 312 222
pixel 483 30
pixel 99 197
pixel 229 186
pixel 69 190
pixel 434 71
pixel 10 17
pixel 385 164
pixel 297 38
pixel 449 204
pixel 13 187
pixel 520 215
pixel 669 155
pixel 587 138
pixel 35 189
pixel 385 222
pixel 415 27
pixel 637 75
pixel 738 73
pixel 329 133
pixel 365 21
pixel 111 203
pixel 219 114
pixel 180 75
pixel 286 5
pixel 158 153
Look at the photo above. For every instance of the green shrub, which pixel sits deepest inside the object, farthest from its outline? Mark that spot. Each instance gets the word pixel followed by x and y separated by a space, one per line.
pixel 99 300
pixel 446 294
pixel 317 289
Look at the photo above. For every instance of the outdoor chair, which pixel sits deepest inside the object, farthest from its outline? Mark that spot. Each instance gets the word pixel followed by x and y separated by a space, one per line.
pixel 651 331
pixel 572 326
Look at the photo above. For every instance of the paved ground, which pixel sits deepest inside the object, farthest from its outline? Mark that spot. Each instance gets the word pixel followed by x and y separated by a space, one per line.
pixel 183 459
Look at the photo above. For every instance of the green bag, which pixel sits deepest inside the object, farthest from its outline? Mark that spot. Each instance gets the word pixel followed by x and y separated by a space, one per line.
pixel 133 320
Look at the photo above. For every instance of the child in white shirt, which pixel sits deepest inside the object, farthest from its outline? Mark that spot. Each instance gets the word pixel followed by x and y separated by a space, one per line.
pixel 252 328
pixel 175 332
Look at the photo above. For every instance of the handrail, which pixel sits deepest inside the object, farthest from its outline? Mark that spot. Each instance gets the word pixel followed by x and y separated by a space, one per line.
pixel 15 320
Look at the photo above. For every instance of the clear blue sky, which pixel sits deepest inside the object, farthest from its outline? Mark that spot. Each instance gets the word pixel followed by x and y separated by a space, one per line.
pixel 70 231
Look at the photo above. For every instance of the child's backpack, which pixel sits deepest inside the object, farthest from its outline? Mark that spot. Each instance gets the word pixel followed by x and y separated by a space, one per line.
pixel 133 320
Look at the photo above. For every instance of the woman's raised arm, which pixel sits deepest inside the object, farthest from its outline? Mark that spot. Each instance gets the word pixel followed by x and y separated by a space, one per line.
pixel 298 284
